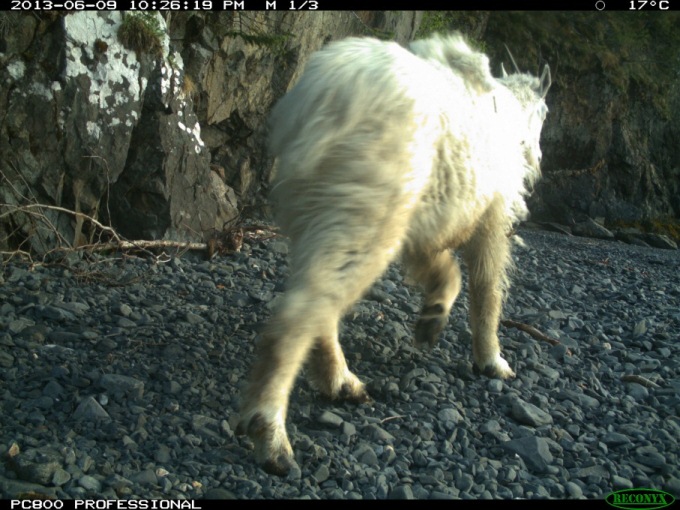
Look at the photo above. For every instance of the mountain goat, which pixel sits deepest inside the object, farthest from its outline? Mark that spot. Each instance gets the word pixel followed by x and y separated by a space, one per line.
pixel 384 151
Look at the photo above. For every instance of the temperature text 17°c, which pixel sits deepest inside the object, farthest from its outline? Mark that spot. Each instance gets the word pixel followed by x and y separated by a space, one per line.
pixel 639 5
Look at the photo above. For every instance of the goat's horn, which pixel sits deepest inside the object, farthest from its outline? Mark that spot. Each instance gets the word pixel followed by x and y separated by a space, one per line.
pixel 512 58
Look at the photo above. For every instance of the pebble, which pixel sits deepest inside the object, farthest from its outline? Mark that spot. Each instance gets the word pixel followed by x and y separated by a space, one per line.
pixel 123 385
pixel 89 483
pixel 330 419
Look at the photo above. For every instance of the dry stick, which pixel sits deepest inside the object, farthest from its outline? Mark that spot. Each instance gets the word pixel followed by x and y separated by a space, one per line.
pixel 144 244
pixel 640 380
pixel 389 418
pixel 531 330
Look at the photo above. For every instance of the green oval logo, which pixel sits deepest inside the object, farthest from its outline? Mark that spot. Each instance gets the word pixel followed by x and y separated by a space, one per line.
pixel 633 499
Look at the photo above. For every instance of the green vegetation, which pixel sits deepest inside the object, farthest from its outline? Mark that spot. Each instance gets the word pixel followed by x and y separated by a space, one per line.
pixel 275 42
pixel 142 32
pixel 663 225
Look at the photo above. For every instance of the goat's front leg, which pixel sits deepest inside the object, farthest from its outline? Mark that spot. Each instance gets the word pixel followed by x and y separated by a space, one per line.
pixel 487 256
pixel 280 354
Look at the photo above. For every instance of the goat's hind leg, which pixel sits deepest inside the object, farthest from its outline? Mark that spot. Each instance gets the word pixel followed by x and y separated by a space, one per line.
pixel 439 275
pixel 328 372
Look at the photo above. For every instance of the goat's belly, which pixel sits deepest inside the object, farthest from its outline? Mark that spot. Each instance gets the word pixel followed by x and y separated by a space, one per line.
pixel 446 224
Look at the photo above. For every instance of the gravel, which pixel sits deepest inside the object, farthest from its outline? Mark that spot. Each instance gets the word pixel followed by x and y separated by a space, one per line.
pixel 120 378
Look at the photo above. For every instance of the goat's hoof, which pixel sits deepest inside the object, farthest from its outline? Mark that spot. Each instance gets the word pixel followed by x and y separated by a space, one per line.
pixel 280 465
pixel 428 330
pixel 496 369
pixel 272 448
pixel 353 394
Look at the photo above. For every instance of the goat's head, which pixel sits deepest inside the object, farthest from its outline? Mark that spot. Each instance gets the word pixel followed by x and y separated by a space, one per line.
pixel 530 92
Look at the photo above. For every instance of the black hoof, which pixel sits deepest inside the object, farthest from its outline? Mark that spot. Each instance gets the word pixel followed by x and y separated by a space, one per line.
pixel 255 427
pixel 488 371
pixel 428 330
pixel 279 466
pixel 347 395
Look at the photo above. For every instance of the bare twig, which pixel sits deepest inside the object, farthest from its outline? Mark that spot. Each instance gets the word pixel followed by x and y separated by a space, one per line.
pixel 640 380
pixel 389 418
pixel 530 330
pixel 27 207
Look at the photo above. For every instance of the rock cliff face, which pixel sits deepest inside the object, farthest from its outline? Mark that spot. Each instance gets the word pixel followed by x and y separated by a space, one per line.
pixel 160 144
pixel 167 140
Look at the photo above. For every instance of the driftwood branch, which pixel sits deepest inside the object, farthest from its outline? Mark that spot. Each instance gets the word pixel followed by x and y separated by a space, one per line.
pixel 530 330
pixel 228 241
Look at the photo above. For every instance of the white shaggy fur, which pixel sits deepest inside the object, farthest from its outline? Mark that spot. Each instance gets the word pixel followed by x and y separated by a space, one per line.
pixel 385 151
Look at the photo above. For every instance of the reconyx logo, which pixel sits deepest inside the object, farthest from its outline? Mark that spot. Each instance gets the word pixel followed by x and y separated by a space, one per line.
pixel 640 499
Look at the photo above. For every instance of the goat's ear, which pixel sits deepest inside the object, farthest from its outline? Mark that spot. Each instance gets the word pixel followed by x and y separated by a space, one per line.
pixel 546 81
pixel 505 74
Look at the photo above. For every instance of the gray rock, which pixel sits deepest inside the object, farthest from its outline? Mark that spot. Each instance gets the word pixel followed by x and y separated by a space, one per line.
pixel 580 399
pixel 117 384
pixel 590 228
pixel 573 490
pixel 330 419
pixel 89 409
pixel 117 482
pixel 6 359
pixel 321 474
pixel 56 313
pixel 672 485
pixel 192 318
pixel 533 450
pixel 529 414
pixel 637 391
pixel 366 455
pixel 660 241
pixel 15 489
pixel 348 428
pixel 219 493
pixel 377 433
pixel 401 492
pixel 495 386
pixel 615 439
pixel 60 477
pixel 650 456
pixel 490 426
pixel 90 483
pixel 449 415
pixel 145 477
pixel 640 328
pixel 619 482
pixel 36 466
